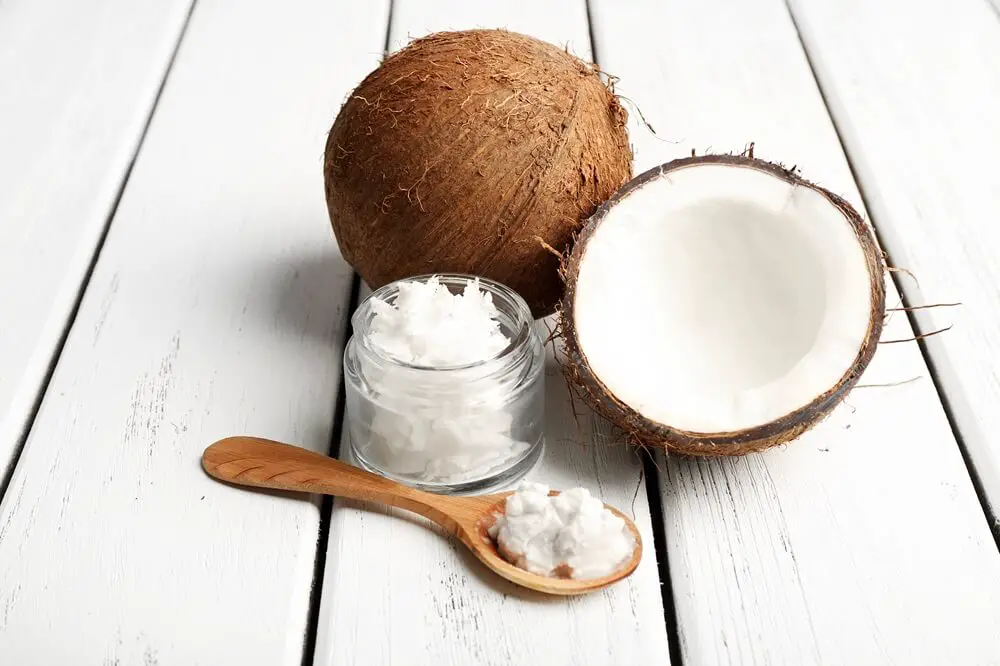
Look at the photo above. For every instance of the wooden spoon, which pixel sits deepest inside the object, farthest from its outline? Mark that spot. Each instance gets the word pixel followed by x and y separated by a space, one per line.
pixel 251 461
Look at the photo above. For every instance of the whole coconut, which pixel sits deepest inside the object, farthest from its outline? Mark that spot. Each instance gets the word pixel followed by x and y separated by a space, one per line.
pixel 478 152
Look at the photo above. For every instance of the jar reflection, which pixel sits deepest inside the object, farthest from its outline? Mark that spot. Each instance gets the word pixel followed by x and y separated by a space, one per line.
pixel 447 429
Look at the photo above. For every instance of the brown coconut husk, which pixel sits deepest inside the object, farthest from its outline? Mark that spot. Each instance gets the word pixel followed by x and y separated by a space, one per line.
pixel 463 150
pixel 642 431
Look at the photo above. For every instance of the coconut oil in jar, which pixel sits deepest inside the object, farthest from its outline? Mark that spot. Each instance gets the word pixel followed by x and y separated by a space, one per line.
pixel 444 384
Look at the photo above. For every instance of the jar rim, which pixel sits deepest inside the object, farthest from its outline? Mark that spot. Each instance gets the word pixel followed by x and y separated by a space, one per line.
pixel 496 289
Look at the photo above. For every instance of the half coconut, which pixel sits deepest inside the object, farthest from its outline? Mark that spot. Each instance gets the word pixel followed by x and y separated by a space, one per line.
pixel 720 305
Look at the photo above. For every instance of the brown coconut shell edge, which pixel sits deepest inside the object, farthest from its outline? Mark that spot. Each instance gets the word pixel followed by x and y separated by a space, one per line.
pixel 642 431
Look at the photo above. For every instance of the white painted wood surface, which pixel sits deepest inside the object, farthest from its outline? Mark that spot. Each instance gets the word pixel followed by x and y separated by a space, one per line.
pixel 918 109
pixel 217 307
pixel 77 83
pixel 863 542
pixel 396 592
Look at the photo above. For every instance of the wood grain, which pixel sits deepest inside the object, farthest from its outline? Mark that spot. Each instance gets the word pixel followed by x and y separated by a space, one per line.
pixel 918 114
pixel 263 463
pixel 217 306
pixel 431 606
pixel 863 542
pixel 77 84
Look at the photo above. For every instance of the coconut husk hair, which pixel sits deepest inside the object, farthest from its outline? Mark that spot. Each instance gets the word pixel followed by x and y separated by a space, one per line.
pixel 465 149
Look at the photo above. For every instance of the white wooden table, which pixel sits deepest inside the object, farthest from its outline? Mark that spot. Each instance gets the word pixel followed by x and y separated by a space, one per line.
pixel 168 277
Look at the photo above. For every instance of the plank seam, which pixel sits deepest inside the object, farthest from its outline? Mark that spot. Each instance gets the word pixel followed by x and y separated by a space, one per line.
pixel 653 497
pixel 326 508
pixel 590 31
pixel 995 5
pixel 992 520
pixel 22 438
pixel 656 517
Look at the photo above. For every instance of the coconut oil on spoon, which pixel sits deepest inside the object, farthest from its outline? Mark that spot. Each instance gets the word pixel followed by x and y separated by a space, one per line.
pixel 262 463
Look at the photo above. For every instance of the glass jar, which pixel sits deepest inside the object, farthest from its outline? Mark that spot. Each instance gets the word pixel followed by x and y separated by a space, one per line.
pixel 454 429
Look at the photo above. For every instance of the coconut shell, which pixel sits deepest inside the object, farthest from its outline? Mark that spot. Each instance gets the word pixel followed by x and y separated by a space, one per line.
pixel 642 431
pixel 476 152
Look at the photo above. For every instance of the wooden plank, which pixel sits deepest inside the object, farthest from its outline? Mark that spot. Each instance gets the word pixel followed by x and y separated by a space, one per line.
pixel 918 114
pixel 397 592
pixel 78 83
pixel 864 541
pixel 217 307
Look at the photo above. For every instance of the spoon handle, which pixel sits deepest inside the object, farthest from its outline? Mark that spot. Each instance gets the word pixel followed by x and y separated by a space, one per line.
pixel 262 463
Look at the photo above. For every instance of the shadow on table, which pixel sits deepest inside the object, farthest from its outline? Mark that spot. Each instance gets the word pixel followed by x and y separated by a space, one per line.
pixel 469 564
pixel 309 295
pixel 582 446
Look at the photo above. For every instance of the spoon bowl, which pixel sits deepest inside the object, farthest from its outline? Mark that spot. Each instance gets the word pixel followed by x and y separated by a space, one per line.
pixel 262 463
pixel 489 554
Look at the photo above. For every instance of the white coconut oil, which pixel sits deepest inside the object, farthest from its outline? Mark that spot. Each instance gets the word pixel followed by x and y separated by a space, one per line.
pixel 569 535
pixel 444 383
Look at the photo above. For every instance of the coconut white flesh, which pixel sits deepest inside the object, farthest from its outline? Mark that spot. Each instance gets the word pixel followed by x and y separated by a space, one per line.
pixel 717 298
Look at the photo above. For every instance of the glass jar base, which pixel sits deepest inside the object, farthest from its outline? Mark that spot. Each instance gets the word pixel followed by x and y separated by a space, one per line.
pixel 495 480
